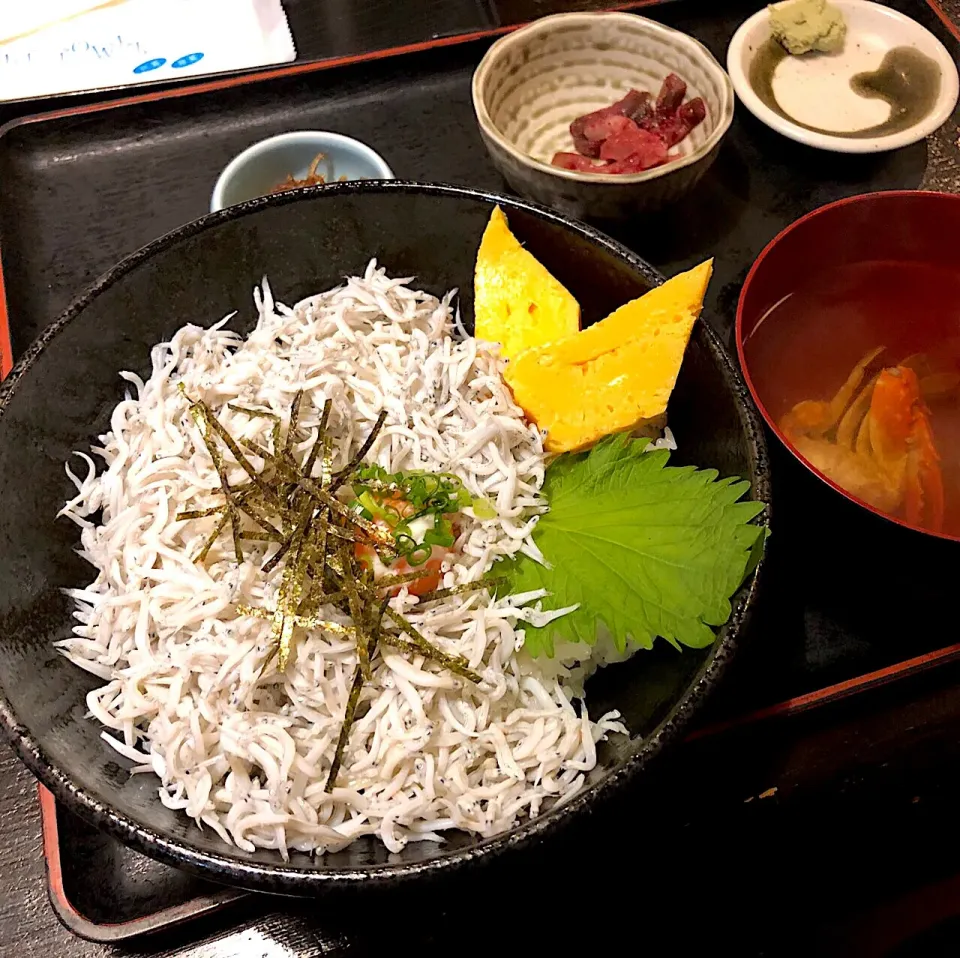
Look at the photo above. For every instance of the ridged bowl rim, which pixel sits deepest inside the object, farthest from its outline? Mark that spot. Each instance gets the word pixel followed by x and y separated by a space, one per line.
pixel 667 35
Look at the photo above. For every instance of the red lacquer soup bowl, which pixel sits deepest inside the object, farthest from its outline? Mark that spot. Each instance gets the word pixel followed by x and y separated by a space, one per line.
pixel 848 332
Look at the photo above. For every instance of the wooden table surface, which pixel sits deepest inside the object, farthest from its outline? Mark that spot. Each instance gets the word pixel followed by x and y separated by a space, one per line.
pixel 270 929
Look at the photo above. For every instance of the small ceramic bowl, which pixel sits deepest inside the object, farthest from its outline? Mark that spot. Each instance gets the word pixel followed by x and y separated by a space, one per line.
pixel 533 83
pixel 261 168
pixel 810 99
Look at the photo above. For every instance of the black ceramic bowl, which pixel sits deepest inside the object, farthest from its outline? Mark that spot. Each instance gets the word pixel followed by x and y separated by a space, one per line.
pixel 60 396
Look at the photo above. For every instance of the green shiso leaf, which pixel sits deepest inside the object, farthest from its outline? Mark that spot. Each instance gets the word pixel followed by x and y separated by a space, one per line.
pixel 645 548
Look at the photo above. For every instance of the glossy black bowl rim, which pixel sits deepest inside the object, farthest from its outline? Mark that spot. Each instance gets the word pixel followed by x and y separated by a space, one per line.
pixel 289 879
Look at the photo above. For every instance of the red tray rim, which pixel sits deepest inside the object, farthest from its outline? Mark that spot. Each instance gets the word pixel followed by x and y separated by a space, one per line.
pixel 203 905
pixel 84 927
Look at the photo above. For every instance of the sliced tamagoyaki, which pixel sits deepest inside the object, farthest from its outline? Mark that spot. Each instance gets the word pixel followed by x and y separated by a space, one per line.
pixel 517 302
pixel 617 375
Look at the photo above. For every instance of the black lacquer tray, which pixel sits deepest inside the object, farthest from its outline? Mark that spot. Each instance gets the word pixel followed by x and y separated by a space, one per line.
pixel 85 186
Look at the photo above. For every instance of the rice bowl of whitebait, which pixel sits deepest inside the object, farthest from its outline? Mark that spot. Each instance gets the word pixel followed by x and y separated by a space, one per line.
pixel 187 671
pixel 280 606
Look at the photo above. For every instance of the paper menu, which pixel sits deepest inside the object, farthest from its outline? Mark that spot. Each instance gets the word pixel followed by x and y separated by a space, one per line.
pixel 22 19
pixel 60 46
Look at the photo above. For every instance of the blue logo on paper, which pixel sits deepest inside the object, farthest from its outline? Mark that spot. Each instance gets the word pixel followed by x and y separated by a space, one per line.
pixel 186 61
pixel 150 65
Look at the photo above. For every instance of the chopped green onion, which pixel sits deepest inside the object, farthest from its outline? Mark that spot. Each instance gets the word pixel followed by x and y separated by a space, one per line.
pixel 483 508
pixel 423 494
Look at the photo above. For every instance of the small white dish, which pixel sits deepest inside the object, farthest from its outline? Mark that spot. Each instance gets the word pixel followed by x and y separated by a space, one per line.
pixel 260 168
pixel 814 90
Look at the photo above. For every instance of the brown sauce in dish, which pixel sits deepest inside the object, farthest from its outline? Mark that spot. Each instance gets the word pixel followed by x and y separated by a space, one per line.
pixel 906 79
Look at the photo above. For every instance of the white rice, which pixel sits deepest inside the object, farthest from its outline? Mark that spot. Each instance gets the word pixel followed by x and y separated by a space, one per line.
pixel 249 756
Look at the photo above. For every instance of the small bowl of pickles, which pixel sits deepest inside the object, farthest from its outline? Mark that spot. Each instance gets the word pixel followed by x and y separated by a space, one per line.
pixel 293 160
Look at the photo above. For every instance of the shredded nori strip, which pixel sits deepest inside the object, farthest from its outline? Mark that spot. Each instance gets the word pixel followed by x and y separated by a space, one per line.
pixel 353 589
pixel 351 466
pixel 257 449
pixel 348 716
pixel 353 700
pixel 316 564
pixel 486 583
pixel 200 513
pixel 212 538
pixel 255 611
pixel 260 414
pixel 285 545
pixel 305 622
pixel 401 578
pixel 260 537
pixel 320 442
pixel 235 450
pixel 316 597
pixel 253 510
pixel 250 411
pixel 335 628
pixel 291 591
pixel 455 663
pixel 199 413
pixel 319 540
pixel 381 537
pixel 238 496
pixel 326 468
pixel 294 420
